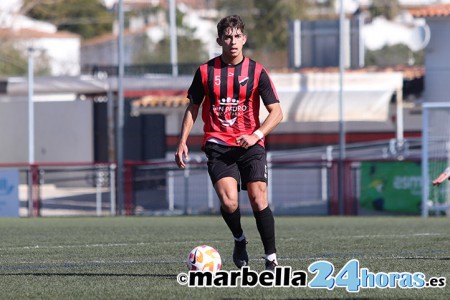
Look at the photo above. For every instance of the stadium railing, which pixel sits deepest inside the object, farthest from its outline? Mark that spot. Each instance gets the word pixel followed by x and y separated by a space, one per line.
pixel 160 188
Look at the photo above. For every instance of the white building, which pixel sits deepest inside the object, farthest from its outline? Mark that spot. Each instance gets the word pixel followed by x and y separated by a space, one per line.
pixel 61 48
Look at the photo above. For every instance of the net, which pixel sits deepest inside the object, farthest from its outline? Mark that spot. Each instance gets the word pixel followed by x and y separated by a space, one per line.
pixel 435 157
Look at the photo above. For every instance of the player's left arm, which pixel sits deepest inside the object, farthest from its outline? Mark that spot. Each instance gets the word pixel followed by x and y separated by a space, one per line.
pixel 273 119
pixel 270 99
pixel 442 177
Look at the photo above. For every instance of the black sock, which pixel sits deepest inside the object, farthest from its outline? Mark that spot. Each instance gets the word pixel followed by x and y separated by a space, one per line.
pixel 266 227
pixel 233 221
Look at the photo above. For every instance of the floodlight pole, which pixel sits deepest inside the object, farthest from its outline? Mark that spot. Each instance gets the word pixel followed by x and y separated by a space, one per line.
pixel 341 172
pixel 120 116
pixel 30 128
pixel 173 37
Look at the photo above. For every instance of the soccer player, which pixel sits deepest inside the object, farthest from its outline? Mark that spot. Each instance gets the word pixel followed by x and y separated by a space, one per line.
pixel 229 88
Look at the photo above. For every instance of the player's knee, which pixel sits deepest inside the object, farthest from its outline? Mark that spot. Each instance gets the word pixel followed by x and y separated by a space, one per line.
pixel 229 201
pixel 258 198
pixel 229 206
pixel 256 190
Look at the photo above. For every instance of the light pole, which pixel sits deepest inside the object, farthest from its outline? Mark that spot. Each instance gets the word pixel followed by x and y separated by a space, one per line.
pixel 120 116
pixel 173 38
pixel 31 51
pixel 341 172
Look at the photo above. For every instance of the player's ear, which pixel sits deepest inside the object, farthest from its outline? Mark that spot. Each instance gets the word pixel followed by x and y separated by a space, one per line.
pixel 245 39
pixel 219 41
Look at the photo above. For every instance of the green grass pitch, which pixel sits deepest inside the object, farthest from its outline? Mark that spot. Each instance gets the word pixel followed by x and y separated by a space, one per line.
pixel 140 257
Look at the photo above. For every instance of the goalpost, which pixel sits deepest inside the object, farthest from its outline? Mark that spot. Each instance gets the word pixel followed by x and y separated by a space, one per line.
pixel 435 157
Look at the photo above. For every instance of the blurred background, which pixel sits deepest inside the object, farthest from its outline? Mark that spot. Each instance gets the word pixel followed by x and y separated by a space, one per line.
pixel 391 34
pixel 60 104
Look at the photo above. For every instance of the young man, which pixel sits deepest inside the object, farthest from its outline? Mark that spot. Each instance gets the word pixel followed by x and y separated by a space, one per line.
pixel 229 88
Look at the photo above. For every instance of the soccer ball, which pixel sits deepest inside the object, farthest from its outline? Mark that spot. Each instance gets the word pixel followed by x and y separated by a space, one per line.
pixel 204 258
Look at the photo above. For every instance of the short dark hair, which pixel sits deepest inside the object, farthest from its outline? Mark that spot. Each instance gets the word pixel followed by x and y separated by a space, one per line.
pixel 234 21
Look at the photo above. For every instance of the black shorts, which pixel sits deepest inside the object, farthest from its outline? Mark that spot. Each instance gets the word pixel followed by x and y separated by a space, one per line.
pixel 244 165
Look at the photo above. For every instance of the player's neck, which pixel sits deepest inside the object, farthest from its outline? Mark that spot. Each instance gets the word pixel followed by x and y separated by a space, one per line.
pixel 232 61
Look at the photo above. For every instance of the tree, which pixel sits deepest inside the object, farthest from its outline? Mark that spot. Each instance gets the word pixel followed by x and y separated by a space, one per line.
pixel 266 20
pixel 13 61
pixel 398 54
pixel 160 53
pixel 387 8
pixel 266 24
pixel 88 18
pixel 190 48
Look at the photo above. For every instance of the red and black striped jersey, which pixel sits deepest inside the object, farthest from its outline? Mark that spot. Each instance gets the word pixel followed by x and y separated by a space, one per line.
pixel 230 97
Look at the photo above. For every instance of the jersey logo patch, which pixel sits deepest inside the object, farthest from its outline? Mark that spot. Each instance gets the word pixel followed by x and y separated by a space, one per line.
pixel 243 80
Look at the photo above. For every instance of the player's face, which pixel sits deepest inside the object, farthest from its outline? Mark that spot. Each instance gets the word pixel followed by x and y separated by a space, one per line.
pixel 232 42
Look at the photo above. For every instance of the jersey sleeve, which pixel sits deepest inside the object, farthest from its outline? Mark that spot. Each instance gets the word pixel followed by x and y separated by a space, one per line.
pixel 196 91
pixel 267 90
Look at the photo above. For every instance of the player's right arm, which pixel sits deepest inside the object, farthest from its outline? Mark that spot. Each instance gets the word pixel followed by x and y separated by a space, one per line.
pixel 196 94
pixel 190 115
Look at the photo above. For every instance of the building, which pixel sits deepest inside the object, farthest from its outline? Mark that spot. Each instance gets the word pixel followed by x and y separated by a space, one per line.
pixel 62 49
pixel 437 62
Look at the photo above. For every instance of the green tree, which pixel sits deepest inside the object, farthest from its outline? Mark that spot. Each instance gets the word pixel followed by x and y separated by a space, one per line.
pixel 14 61
pixel 398 54
pixel 387 8
pixel 189 48
pixel 88 18
pixel 266 21
pixel 266 24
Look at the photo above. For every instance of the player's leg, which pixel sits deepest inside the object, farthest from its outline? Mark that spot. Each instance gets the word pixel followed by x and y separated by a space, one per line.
pixel 253 169
pixel 265 221
pixel 225 176
pixel 227 191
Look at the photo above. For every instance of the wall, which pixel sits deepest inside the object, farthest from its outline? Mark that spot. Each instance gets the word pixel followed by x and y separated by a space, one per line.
pixel 437 63
pixel 63 131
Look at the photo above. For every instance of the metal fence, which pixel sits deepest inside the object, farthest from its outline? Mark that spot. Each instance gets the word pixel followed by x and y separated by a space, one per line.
pixel 55 189
pixel 296 187
pixel 140 70
pixel 300 187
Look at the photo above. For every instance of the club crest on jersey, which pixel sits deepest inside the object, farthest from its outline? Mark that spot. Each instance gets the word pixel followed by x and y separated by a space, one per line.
pixel 243 80
pixel 228 110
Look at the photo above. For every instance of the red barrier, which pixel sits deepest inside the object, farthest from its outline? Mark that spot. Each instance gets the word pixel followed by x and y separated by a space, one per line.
pixel 350 205
pixel 128 189
pixel 35 191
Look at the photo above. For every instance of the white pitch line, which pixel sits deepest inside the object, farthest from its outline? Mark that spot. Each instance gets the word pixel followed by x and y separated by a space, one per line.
pixel 36 247
pixel 50 263
pixel 371 236
pixel 87 264
pixel 395 235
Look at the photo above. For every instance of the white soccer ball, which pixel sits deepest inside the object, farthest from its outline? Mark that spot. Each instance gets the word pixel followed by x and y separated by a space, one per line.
pixel 204 258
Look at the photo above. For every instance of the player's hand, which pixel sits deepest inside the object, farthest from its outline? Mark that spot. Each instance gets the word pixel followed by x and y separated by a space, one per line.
pixel 247 140
pixel 441 178
pixel 181 155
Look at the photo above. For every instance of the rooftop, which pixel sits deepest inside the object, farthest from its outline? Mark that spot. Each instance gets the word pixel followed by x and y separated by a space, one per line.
pixel 436 10
pixel 30 33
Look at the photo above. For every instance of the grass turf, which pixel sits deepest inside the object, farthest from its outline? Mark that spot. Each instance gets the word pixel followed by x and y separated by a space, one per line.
pixel 140 257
